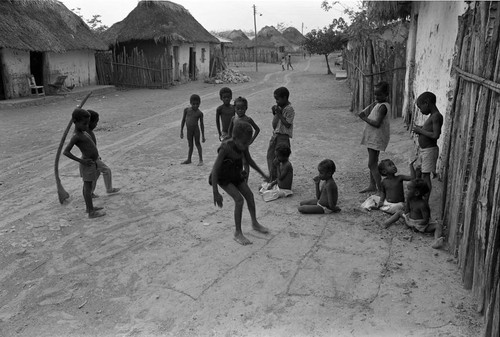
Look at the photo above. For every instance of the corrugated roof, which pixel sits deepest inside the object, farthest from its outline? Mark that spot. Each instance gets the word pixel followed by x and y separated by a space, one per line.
pixel 44 25
pixel 158 21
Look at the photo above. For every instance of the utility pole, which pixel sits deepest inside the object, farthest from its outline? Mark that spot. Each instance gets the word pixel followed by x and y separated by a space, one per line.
pixel 255 38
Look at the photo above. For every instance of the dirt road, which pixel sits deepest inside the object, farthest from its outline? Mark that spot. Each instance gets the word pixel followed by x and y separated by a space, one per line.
pixel 162 262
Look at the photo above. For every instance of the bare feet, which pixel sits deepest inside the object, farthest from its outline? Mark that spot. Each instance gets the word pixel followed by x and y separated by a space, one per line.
pixel 95 209
pixel 259 228
pixel 439 243
pixel 200 163
pixel 96 214
pixel 113 190
pixel 336 209
pixel 369 189
pixel 238 237
pixel 187 161
pixel 94 196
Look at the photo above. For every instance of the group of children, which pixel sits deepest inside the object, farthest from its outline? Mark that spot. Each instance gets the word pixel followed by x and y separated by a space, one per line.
pixel 237 132
pixel 414 208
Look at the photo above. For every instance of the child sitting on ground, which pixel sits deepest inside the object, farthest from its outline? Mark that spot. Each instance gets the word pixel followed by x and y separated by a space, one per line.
pixel 392 197
pixel 101 167
pixel 282 186
pixel 227 173
pixel 418 212
pixel 88 166
pixel 224 113
pixel 327 195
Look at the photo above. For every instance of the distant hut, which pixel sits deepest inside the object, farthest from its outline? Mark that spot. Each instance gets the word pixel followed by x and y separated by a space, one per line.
pixel 270 37
pixel 237 35
pixel 45 39
pixel 165 36
pixel 293 36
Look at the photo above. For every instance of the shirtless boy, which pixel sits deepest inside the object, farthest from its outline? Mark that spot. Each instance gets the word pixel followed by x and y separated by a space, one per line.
pixel 190 118
pixel 284 168
pixel 428 134
pixel 224 113
pixel 88 167
pixel 327 195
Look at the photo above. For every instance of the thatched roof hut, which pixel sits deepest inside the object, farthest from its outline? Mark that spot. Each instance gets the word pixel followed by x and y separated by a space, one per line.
pixel 293 35
pixel 160 21
pixel 271 37
pixel 237 35
pixel 44 25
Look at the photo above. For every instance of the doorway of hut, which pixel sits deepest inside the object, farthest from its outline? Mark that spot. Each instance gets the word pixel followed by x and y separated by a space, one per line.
pixel 36 66
pixel 192 64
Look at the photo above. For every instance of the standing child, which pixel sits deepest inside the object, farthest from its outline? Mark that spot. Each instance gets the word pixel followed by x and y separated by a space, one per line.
pixel 224 113
pixel 190 118
pixel 327 195
pixel 226 173
pixel 418 212
pixel 282 123
pixel 283 63
pixel 289 62
pixel 101 167
pixel 377 132
pixel 241 107
pixel 88 166
pixel 428 134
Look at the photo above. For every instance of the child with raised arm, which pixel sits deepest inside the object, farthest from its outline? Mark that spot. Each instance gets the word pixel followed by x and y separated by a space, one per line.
pixel 326 195
pixel 88 166
pixel 241 107
pixel 224 113
pixel 428 134
pixel 376 133
pixel 227 173
pixel 192 115
pixel 101 167
pixel 418 212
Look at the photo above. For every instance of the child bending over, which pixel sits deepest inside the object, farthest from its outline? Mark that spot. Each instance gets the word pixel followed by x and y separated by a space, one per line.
pixel 327 195
pixel 224 113
pixel 227 173
pixel 88 167
pixel 418 212
pixel 190 118
pixel 101 167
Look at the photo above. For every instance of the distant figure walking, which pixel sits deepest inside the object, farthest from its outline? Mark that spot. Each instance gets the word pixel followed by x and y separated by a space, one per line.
pixel 289 62
pixel 283 62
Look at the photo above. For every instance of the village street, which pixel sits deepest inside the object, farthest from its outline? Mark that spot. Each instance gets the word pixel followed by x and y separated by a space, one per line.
pixel 162 262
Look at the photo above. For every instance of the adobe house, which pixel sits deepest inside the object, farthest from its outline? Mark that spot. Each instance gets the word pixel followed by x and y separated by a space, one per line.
pixel 45 39
pixel 164 30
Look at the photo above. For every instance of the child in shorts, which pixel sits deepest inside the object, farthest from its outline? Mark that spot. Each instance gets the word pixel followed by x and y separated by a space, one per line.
pixel 192 115
pixel 224 113
pixel 327 195
pixel 101 167
pixel 227 173
pixel 88 166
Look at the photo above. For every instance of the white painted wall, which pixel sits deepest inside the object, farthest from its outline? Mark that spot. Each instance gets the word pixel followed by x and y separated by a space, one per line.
pixel 78 65
pixel 16 67
pixel 432 40
pixel 202 65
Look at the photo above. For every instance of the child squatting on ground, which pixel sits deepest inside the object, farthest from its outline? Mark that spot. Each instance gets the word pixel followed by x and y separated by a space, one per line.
pixel 392 196
pixel 376 133
pixel 428 134
pixel 227 173
pixel 190 118
pixel 327 195
pixel 241 107
pixel 101 167
pixel 88 167
pixel 224 113
pixel 418 213
pixel 281 187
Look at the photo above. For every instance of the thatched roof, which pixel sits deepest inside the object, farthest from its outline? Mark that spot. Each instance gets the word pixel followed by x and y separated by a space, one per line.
pixel 44 25
pixel 293 35
pixel 270 36
pixel 236 35
pixel 160 21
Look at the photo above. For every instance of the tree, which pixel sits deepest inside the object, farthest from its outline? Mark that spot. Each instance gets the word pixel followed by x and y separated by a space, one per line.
pixel 95 23
pixel 326 40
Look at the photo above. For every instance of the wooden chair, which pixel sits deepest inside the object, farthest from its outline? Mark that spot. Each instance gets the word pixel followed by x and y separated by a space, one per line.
pixel 35 89
pixel 58 85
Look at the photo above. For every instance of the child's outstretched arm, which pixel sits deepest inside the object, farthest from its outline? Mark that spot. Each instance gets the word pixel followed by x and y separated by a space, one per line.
pixel 253 165
pixel 256 128
pixel 183 122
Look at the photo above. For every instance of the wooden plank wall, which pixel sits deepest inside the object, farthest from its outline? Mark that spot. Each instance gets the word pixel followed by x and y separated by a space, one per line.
pixel 247 54
pixel 370 62
pixel 472 160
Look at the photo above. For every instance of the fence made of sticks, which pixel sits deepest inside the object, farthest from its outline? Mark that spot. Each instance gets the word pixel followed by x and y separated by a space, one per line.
pixel 247 54
pixel 471 159
pixel 134 69
pixel 370 62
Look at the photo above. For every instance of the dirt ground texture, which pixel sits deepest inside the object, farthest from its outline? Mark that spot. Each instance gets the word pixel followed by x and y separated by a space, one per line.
pixel 162 262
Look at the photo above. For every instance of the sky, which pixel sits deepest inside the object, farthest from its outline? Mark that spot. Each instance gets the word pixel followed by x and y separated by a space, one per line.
pixel 222 15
